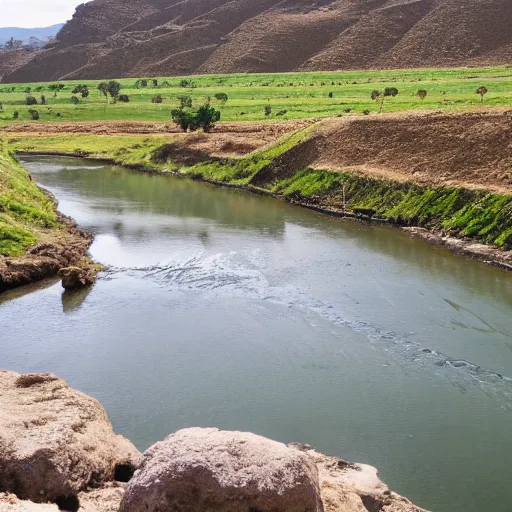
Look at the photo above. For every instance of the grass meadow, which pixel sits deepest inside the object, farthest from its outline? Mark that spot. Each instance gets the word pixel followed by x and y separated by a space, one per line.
pixel 290 95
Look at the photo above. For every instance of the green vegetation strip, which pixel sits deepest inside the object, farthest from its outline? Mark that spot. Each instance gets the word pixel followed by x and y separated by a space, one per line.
pixel 24 209
pixel 256 97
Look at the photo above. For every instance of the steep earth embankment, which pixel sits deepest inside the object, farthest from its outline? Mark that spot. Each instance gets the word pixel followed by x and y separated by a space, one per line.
pixel 58 447
pixel 35 240
pixel 115 38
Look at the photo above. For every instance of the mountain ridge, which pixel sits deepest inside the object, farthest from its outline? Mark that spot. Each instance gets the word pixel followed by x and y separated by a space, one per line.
pixel 110 38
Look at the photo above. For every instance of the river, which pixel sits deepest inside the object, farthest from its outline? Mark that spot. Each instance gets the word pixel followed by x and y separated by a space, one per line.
pixel 222 308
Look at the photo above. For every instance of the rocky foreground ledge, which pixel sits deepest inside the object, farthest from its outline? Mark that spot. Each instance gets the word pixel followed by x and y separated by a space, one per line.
pixel 58 451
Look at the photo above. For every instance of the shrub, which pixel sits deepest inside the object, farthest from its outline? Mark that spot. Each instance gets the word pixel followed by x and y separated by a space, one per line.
pixel 124 98
pixel 268 110
pixel 185 119
pixel 30 100
pixel 221 96
pixel 28 90
pixel 43 99
pixel 347 110
pixel 143 83
pixel 390 91
pixel 330 95
pixel 34 114
pixel 205 117
pixel 157 99
pixel 421 94
pixel 366 112
pixel 16 115
pixel 281 112
pixel 185 83
pixel 75 100
pixel 155 82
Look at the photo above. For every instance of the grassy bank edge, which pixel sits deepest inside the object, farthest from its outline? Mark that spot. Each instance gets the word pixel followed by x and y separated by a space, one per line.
pixel 36 240
pixel 471 215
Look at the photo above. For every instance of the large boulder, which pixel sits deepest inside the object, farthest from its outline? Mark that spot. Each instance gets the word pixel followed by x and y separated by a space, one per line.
pixel 55 441
pixel 200 469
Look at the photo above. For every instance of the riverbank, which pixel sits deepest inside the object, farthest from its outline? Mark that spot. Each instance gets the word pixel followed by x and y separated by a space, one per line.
pixel 446 175
pixel 36 240
pixel 59 448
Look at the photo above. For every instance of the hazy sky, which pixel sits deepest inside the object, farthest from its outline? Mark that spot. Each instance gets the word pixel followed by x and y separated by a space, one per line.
pixel 36 13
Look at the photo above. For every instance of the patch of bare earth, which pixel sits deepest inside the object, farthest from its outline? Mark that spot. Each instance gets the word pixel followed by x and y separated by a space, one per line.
pixel 227 139
pixel 471 149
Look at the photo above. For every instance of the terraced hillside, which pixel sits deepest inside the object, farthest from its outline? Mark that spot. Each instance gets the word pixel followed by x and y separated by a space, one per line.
pixel 170 37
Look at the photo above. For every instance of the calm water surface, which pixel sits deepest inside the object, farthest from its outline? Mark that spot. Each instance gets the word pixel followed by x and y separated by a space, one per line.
pixel 222 308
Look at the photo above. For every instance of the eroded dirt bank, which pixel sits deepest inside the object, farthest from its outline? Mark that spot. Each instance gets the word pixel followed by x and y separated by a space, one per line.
pixel 59 451
pixel 36 240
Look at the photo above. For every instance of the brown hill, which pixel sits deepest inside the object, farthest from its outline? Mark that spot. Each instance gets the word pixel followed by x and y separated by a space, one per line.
pixel 117 38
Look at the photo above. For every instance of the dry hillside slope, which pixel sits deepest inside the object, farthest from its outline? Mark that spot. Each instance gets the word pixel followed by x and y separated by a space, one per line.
pixel 108 38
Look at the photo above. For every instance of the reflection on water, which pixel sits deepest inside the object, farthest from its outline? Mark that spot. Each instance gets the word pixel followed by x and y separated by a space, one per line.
pixel 229 309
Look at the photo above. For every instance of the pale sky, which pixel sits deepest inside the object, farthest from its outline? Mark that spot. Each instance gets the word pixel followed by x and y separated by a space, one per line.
pixel 36 13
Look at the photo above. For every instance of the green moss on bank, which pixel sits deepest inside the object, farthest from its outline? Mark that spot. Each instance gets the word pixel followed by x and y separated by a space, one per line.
pixel 476 214
pixel 24 208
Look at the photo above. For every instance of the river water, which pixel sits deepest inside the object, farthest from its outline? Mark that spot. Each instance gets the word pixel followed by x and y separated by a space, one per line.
pixel 222 308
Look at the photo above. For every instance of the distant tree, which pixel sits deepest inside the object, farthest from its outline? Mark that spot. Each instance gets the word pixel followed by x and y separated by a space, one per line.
pixel 157 99
pixel 155 82
pixel 55 88
pixel 103 88
pixel 83 90
pixel 34 114
pixel 30 100
pixel 482 91
pixel 1 107
pixel 143 83
pixel 206 117
pixel 43 99
pixel 185 83
pixel 221 96
pixel 124 98
pixel 16 115
pixel 421 94
pixel 112 87
pixel 185 101
pixel 331 95
pixel 75 100
pixel 390 91
pixel 28 90
pixel 268 110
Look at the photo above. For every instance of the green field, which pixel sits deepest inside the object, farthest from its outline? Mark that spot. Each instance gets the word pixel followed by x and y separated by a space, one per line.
pixel 291 95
